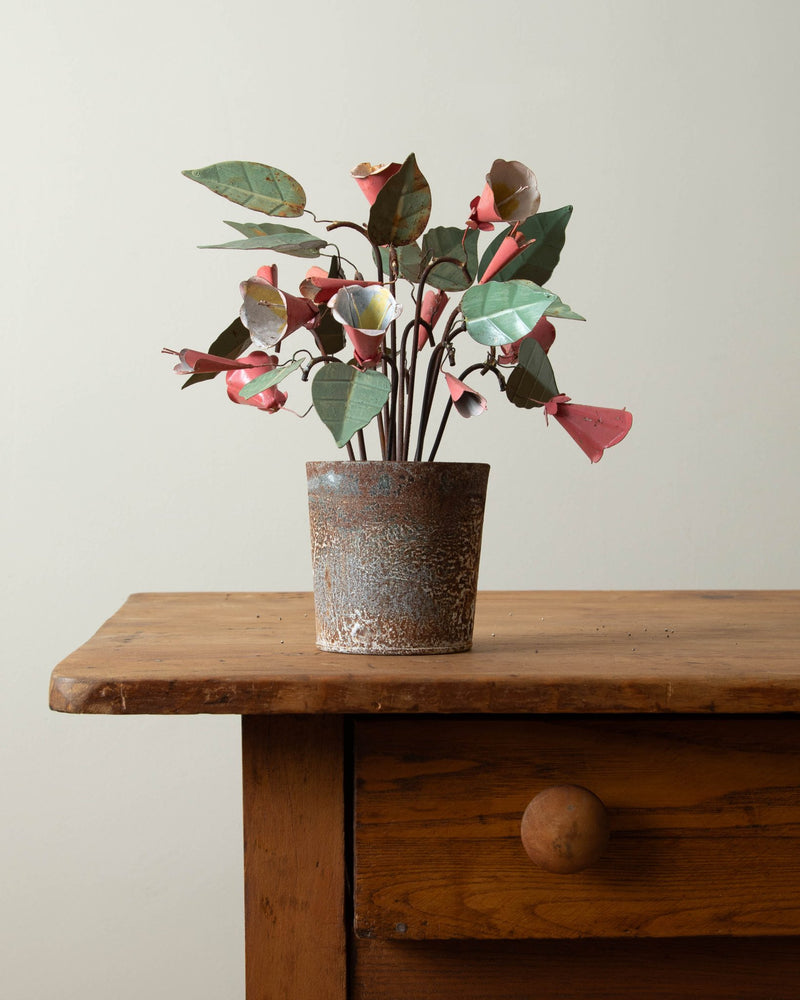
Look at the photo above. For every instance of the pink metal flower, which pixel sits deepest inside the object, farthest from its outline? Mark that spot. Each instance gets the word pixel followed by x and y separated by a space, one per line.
pixel 198 362
pixel 365 312
pixel 593 428
pixel 270 314
pixel 544 332
pixel 467 402
pixel 270 400
pixel 433 305
pixel 319 288
pixel 511 194
pixel 371 177
pixel 510 247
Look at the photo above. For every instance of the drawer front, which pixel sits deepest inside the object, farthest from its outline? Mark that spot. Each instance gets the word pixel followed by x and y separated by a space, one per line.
pixel 704 816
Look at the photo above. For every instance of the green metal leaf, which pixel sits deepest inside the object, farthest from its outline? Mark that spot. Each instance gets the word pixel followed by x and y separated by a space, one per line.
pixel 268 379
pixel 254 185
pixel 229 344
pixel 402 209
pixel 409 260
pixel 329 333
pixel 272 236
pixel 538 262
pixel 502 312
pixel 533 381
pixel 347 398
pixel 449 241
pixel 560 310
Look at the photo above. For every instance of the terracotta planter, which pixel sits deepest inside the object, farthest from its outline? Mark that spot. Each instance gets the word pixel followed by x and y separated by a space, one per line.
pixel 395 549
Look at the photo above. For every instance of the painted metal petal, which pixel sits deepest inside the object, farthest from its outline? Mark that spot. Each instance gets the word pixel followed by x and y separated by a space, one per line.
pixel 263 312
pixel 547 231
pixel 371 177
pixel 509 248
pixel 515 192
pixel 544 333
pixel 319 288
pixel 367 346
pixel 467 402
pixel 198 361
pixel 365 307
pixel 270 399
pixel 433 305
pixel 593 428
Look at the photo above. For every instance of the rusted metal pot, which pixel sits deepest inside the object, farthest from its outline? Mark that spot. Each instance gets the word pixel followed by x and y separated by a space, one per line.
pixel 395 548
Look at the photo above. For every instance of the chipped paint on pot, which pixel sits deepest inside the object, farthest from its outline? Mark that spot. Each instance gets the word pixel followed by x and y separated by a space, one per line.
pixel 395 550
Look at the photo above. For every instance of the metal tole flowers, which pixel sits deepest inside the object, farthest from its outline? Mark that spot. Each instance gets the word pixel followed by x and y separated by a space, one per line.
pixel 366 370
pixel 365 313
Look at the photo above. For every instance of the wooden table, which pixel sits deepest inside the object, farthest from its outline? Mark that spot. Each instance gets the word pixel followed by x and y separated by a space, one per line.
pixel 383 796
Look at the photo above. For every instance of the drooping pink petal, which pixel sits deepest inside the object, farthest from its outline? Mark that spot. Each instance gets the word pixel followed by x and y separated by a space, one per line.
pixel 473 222
pixel 319 288
pixel 467 402
pixel 197 361
pixel 269 272
pixel 544 332
pixel 433 305
pixel 593 428
pixel 371 177
pixel 270 400
pixel 510 247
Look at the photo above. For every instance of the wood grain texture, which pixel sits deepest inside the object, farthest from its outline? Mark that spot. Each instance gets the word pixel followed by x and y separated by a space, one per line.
pixel 704 814
pixel 294 858
pixel 714 969
pixel 570 651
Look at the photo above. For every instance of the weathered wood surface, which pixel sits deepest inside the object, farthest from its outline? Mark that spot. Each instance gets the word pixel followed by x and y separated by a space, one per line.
pixel 569 651
pixel 711 969
pixel 294 858
pixel 704 815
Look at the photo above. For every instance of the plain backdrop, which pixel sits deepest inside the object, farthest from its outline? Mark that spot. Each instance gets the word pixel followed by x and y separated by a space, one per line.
pixel 672 129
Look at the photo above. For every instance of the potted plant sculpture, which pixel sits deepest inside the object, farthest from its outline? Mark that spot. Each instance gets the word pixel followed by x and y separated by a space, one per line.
pixel 396 540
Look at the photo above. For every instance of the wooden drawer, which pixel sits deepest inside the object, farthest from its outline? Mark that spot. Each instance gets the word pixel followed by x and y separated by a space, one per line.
pixel 705 821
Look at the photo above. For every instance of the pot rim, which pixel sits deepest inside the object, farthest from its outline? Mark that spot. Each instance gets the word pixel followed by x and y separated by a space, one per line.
pixel 348 463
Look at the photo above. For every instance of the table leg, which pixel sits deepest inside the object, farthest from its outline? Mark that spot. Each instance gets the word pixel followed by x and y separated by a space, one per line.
pixel 294 857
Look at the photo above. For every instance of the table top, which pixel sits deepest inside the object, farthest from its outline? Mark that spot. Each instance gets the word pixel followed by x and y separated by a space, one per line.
pixel 533 652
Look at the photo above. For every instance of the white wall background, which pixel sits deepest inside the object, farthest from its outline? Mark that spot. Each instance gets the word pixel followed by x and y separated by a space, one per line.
pixel 672 127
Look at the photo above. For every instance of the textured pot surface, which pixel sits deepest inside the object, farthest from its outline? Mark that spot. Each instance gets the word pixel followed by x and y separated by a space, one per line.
pixel 395 549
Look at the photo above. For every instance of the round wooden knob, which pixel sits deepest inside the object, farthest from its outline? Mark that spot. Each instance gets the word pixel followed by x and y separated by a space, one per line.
pixel 565 829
